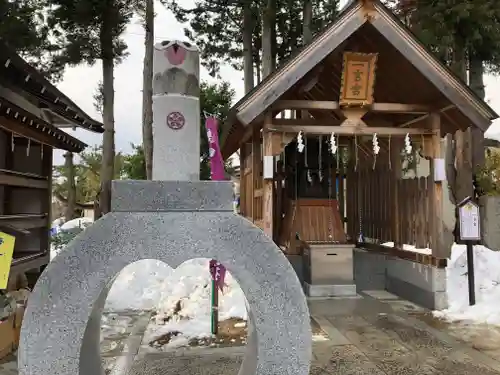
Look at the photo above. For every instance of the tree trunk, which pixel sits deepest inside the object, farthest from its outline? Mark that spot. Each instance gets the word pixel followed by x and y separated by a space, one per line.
pixel 458 64
pixel 257 67
pixel 476 83
pixel 69 213
pixel 476 71
pixel 308 13
pixel 268 23
pixel 108 143
pixel 274 42
pixel 247 46
pixel 147 89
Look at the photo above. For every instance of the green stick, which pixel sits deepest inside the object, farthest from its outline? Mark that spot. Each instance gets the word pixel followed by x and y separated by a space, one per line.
pixel 215 309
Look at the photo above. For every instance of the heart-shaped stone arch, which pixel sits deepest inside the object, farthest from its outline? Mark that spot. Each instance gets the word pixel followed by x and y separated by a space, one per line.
pixel 76 281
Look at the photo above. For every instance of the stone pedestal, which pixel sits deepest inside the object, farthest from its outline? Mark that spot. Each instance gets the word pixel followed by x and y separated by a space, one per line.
pixel 176 141
pixel 172 222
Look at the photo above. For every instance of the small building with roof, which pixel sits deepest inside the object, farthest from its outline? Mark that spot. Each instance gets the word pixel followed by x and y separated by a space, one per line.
pixel 32 113
pixel 325 140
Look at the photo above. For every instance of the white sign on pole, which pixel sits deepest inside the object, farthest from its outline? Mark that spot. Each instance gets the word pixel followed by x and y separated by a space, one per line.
pixel 469 222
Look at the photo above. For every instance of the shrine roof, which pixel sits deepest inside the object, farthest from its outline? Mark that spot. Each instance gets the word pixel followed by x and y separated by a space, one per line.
pixel 19 75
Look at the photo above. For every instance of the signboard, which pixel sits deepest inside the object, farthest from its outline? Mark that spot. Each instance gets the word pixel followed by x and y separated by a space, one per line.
pixel 469 221
pixel 358 78
pixel 7 243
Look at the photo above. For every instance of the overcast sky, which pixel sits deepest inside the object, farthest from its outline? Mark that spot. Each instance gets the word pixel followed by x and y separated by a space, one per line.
pixel 80 83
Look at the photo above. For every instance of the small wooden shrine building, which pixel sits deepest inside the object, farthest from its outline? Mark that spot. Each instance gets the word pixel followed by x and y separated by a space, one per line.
pixel 329 141
pixel 32 111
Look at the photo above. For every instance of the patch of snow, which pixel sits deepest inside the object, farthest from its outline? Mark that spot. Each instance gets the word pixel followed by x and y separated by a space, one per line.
pixel 319 338
pixel 81 222
pixel 139 286
pixel 487 283
pixel 407 247
pixel 190 286
pixel 57 222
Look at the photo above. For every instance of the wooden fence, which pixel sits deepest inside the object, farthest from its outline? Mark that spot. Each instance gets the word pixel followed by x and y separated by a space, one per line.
pixel 387 208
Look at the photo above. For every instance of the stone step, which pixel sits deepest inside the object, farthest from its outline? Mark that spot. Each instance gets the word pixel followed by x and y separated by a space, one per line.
pixel 344 290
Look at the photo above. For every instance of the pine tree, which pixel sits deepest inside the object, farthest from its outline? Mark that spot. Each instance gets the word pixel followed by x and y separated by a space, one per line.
pixel 221 29
pixel 24 29
pixel 90 31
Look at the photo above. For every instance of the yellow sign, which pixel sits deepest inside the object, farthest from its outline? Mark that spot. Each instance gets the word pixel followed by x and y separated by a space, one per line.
pixel 358 78
pixel 6 250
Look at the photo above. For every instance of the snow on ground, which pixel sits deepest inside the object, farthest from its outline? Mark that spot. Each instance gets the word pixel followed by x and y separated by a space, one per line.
pixel 80 222
pixel 487 281
pixel 410 248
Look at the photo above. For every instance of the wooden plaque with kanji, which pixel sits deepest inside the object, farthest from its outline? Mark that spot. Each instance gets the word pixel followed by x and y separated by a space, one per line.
pixel 358 78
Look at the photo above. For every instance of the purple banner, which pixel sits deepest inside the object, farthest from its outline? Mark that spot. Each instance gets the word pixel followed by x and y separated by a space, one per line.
pixel 216 162
pixel 217 270
pixel 218 273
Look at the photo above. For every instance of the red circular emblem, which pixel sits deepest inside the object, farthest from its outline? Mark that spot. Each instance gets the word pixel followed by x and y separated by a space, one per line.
pixel 175 120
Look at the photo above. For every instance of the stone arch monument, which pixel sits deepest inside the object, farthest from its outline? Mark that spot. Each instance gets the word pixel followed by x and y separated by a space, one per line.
pixel 172 221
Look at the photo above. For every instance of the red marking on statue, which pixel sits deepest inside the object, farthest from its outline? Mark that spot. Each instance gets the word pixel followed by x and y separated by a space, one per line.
pixel 175 120
pixel 175 54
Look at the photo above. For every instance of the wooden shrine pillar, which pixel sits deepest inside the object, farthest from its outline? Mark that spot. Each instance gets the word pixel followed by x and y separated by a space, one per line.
pixel 436 191
pixel 268 178
pixel 396 168
pixel 256 164
pixel 243 168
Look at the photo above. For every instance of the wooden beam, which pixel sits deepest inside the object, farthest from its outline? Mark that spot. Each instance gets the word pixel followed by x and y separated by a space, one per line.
pixel 27 221
pixel 436 193
pixel 325 122
pixel 346 130
pixel 11 178
pixel 324 105
pixel 268 196
pixel 321 105
pixel 423 117
pixel 400 108
pixel 26 131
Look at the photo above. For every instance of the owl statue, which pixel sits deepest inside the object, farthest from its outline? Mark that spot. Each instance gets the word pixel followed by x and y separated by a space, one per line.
pixel 177 69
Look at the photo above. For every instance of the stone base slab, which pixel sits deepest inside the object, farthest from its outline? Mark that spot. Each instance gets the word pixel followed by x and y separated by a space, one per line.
pixel 330 290
pixel 422 284
pixel 165 196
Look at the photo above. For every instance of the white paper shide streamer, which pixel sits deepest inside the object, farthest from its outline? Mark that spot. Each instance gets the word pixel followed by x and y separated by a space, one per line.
pixel 300 142
pixel 333 144
pixel 376 147
pixel 408 147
